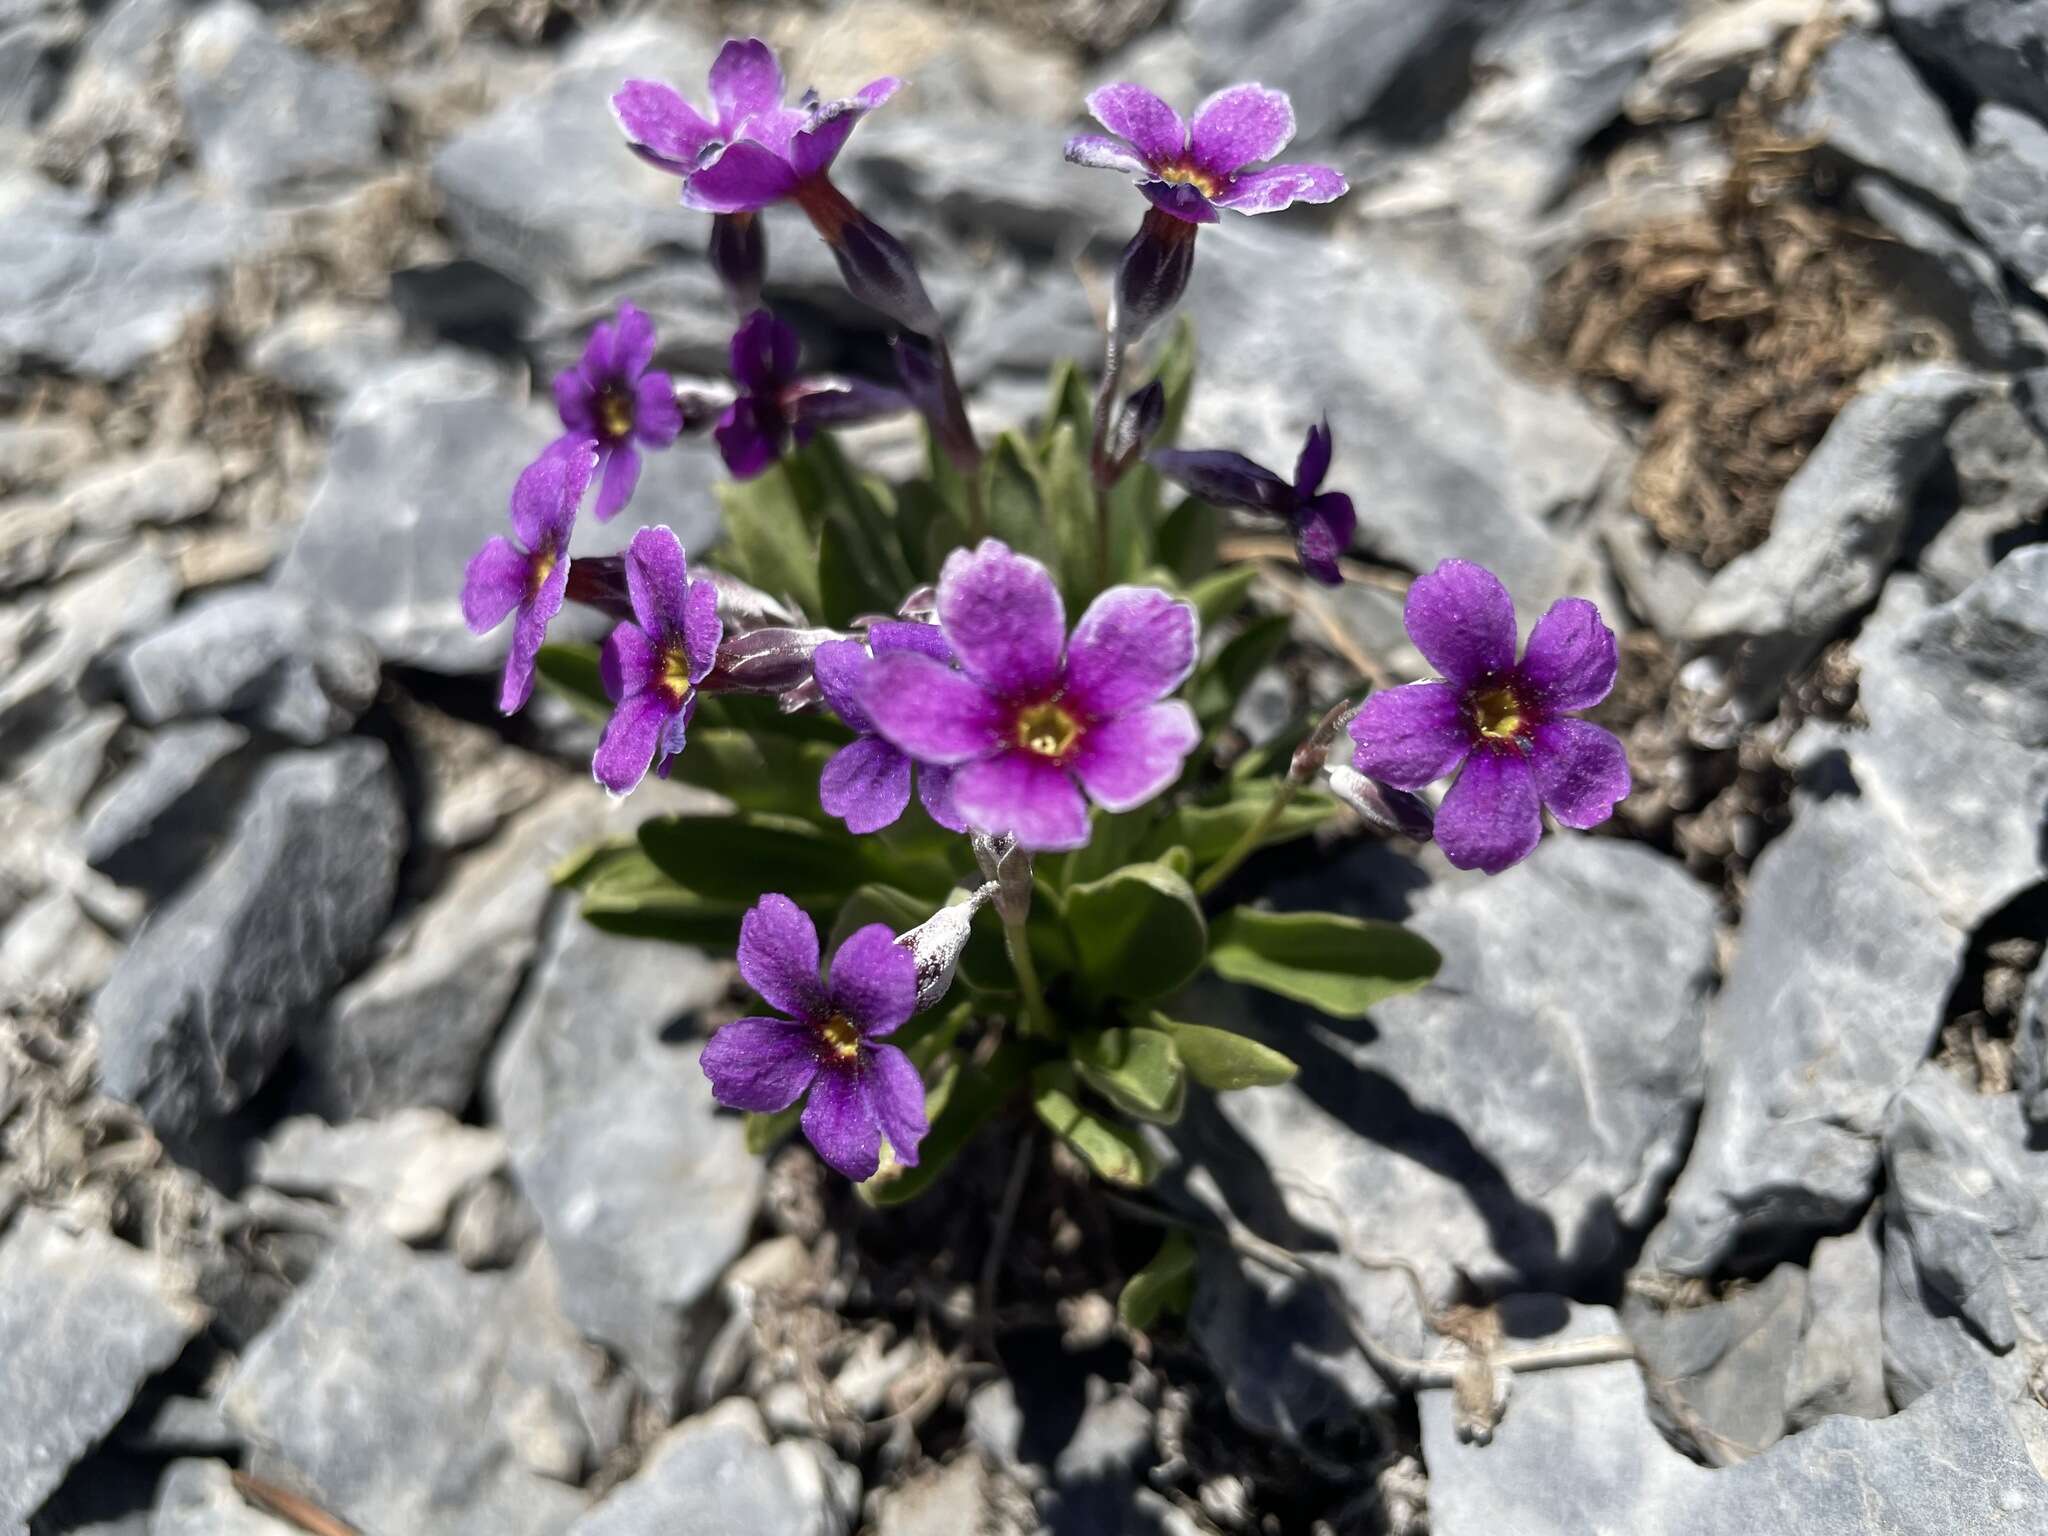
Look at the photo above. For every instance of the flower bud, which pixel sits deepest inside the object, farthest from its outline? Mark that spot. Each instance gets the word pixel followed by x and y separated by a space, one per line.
pixel 937 943
pixel 875 267
pixel 739 255
pixel 771 660
pixel 1386 810
pixel 599 581
pixel 741 606
pixel 926 370
pixel 1151 275
pixel 921 605
pixel 1136 425
pixel 1009 868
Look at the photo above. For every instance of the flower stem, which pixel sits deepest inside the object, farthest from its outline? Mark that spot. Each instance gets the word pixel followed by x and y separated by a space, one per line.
pixel 1248 844
pixel 1038 1017
pixel 1098 449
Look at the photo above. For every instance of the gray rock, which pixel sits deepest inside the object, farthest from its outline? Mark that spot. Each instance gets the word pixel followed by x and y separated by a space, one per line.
pixel 264 115
pixel 2030 1046
pixel 1966 1241
pixel 173 486
pixel 1865 102
pixel 198 1498
pixel 544 188
pixel 941 1501
pixel 99 297
pixel 329 349
pixel 36 452
pixel 1492 467
pixel 1840 1363
pixel 61 773
pixel 406 1393
pixel 1458 1128
pixel 419 475
pixel 1027 325
pixel 156 823
pixel 52 949
pixel 205 1001
pixel 1726 1360
pixel 1839 985
pixel 708 1476
pixel 1998 48
pixel 644 1193
pixel 2009 190
pixel 2001 467
pixel 29 56
pixel 85 1320
pixel 1839 526
pixel 85 618
pixel 403 1173
pixel 272 658
pixel 1960 281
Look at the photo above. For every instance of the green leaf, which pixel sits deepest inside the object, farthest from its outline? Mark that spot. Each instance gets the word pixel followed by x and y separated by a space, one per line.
pixel 768 540
pixel 1015 500
pixel 972 1096
pixel 1222 1061
pixel 1340 966
pixel 1136 933
pixel 767 1132
pixel 1070 505
pixel 1137 1070
pixel 761 714
pixel 1070 405
pixel 1115 1151
pixel 630 896
pixel 1187 538
pixel 571 670
pixel 1176 370
pixel 1113 842
pixel 928 526
pixel 1223 679
pixel 735 858
pixel 848 582
pixel 1210 831
pixel 757 772
pixel 1166 1284
pixel 1220 594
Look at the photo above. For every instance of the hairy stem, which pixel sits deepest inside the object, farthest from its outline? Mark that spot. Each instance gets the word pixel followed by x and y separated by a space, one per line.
pixel 1098 449
pixel 1038 1017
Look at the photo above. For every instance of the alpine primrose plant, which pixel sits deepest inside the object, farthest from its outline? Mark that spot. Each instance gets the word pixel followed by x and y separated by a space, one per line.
pixel 1020 837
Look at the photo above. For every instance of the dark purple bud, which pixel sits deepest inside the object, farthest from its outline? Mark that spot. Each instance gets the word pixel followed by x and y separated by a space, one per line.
pixel 874 265
pixel 739 255
pixel 599 581
pixel 1136 425
pixel 1225 479
pixel 1310 756
pixel 831 401
pixel 700 407
pixel 1386 810
pixel 938 941
pixel 926 369
pixel 1151 275
pixel 766 660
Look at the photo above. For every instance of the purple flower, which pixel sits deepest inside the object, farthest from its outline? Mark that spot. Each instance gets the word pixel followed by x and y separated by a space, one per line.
pixel 832 1043
pixel 612 397
pixel 1190 172
pixel 1030 711
pixel 1507 723
pixel 652 667
pixel 758 151
pixel 1323 521
pixel 774 405
pixel 532 574
pixel 867 782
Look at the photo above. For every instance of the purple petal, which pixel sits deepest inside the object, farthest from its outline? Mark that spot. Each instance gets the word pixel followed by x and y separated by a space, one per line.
pixel 838 402
pixel 633 343
pixel 702 629
pixel 841 668
pixel 1411 736
pixel 935 793
pixel 1314 460
pixel 932 712
pixel 657 419
pixel 1581 770
pixel 1023 794
pixel 1463 621
pixel 529 633
pixel 626 749
pixel 778 956
pixel 1178 198
pixel 674 733
pixel 897 1092
pixel 1133 113
pixel 763 1065
pixel 902 635
pixel 1133 645
pixel 749 436
pixel 744 177
pixel 866 785
pixel 494 584
pixel 1238 126
pixel 658 581
pixel 1223 478
pixel 840 1122
pixel 1126 761
pixel 763 354
pixel 1322 532
pixel 873 980
pixel 813 149
pixel 598 353
pixel 1280 186
pixel 1492 817
pixel 576 402
pixel 543 506
pixel 1570 660
pixel 1092 149
pixel 1004 619
pixel 745 79
pixel 774 130
pixel 663 129
pixel 628 662
pixel 621 474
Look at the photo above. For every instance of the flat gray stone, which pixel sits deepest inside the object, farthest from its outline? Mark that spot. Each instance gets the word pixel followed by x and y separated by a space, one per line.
pixel 2030 1046
pixel 1840 1364
pixel 940 1501
pixel 1961 281
pixel 2001 468
pixel 1503 1124
pixel 2007 202
pixel 85 1320
pixel 205 1000
pixel 1998 48
pixel 1865 101
pixel 61 639
pixel 172 486
pixel 61 773
pixel 1726 1361
pixel 198 1498
pixel 329 349
pixel 403 1172
pixel 1838 527
pixel 155 823
pixel 709 1476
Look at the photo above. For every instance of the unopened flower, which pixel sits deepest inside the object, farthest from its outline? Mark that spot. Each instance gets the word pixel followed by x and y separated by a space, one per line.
pixel 610 396
pixel 774 404
pixel 867 782
pixel 833 1042
pixel 529 576
pixel 1030 711
pixel 938 942
pixel 1189 171
pixel 1506 723
pixel 651 667
pixel 1322 521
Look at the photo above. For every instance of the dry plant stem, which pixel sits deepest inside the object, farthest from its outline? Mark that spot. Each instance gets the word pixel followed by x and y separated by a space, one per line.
pixel 1038 1017
pixel 288 1506
pixel 999 1240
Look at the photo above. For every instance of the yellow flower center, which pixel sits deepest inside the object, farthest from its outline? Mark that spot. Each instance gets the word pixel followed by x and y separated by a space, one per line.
pixel 1498 714
pixel 841 1038
pixel 1185 175
pixel 675 672
pixel 540 568
pixel 615 413
pixel 1047 730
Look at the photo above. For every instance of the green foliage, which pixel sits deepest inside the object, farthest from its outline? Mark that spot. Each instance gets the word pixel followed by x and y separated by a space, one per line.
pixel 1137 933
pixel 1340 966
pixel 571 671
pixel 966 1099
pixel 1137 1070
pixel 1208 831
pixel 1113 1150
pixel 1222 1061
pixel 1165 1284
